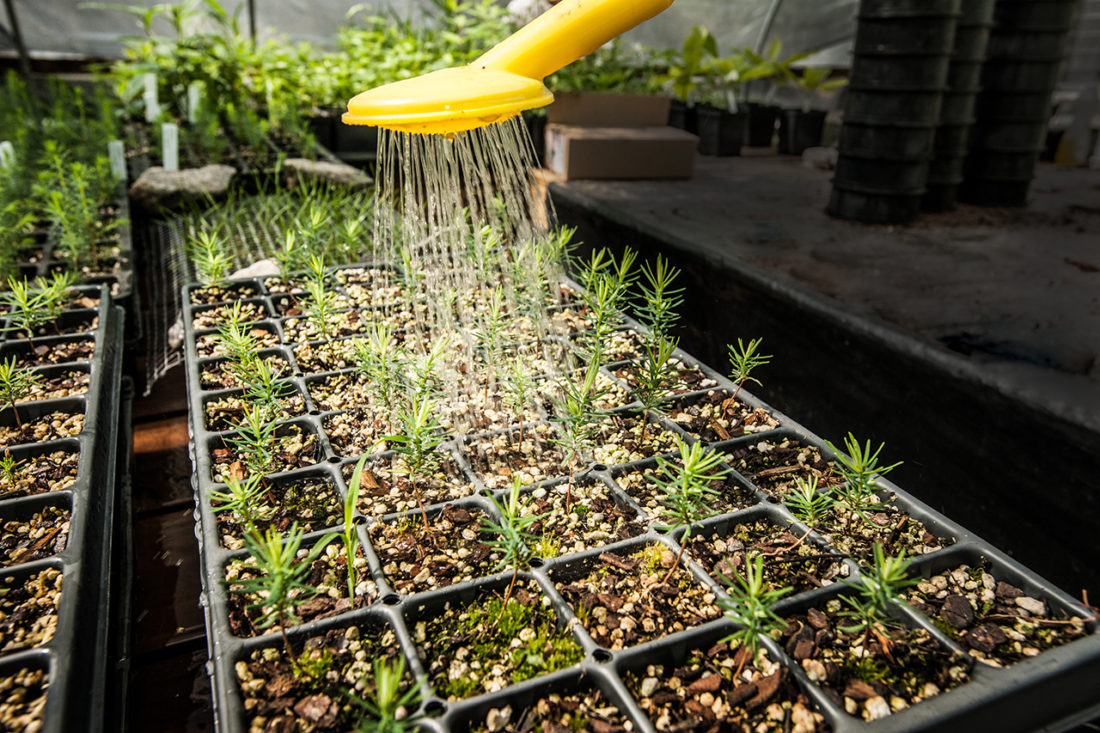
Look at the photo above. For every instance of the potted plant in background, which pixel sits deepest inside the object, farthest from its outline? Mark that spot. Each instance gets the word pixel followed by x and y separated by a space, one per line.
pixel 802 127
pixel 774 71
pixel 687 71
pixel 722 117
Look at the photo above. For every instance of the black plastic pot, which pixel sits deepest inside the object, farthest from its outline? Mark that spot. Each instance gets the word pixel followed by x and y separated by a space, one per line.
pixel 721 132
pixel 683 116
pixel 871 141
pixel 1051 15
pixel 905 35
pixel 1021 76
pixel 77 657
pixel 760 124
pixel 892 107
pixel 799 130
pixel 907 8
pixel 323 127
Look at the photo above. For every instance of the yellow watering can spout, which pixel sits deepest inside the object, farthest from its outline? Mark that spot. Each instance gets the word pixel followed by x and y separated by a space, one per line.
pixel 507 79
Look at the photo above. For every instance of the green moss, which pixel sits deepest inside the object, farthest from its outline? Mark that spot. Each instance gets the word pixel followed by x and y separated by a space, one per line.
pixel 315 665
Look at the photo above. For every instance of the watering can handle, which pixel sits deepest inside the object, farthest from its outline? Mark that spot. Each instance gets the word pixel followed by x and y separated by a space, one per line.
pixel 564 33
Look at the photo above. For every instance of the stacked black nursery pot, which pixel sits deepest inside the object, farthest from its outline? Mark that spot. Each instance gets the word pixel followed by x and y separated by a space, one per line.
pixel 964 78
pixel 903 52
pixel 1025 53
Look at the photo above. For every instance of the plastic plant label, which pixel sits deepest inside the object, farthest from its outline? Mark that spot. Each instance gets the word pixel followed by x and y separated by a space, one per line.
pixel 152 101
pixel 117 155
pixel 194 99
pixel 7 155
pixel 170 146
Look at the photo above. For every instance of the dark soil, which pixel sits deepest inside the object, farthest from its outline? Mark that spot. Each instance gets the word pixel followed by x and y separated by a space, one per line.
pixel 773 466
pixel 221 294
pixel 356 432
pixel 28 609
pixel 623 601
pixel 702 695
pixel 529 454
pixel 209 344
pixel 386 489
pixel 58 352
pixel 888 525
pixel 314 504
pixel 626 439
pixel 324 357
pixel 565 713
pixel 594 518
pixel 24 696
pixel 218 375
pixel 294 448
pixel 640 485
pixel 53 426
pixel 41 474
pixel 44 534
pixel 218 315
pixel 227 413
pixel 684 378
pixel 717 416
pixel 995 621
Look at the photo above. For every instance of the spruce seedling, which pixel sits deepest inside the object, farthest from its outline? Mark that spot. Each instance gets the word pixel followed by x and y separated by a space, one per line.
pixel 25 306
pixel 807 504
pixel 55 292
pixel 282 584
pixel 656 375
pixel 519 390
pixel 388 709
pixel 579 419
pixel 234 341
pixel 858 465
pixel 659 303
pixel 380 359
pixel 512 538
pixel 241 499
pixel 291 256
pixel 489 335
pixel 880 587
pixel 16 384
pixel 688 495
pixel 744 360
pixel 261 384
pixel 255 440
pixel 750 606
pixel 321 308
pixel 420 435
pixel 8 467
pixel 212 263
pixel 351 536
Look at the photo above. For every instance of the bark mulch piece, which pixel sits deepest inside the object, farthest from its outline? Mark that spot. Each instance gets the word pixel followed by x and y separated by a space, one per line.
pixel 995 621
pixel 328 574
pixel 790 561
pixel 887 524
pixel 625 600
pixel 23 700
pixel 718 416
pixel 385 487
pixel 449 551
pixel 487 644
pixel 316 694
pixel 703 694
pixel 41 474
pixel 219 375
pixel 28 609
pixel 529 454
pixel 54 426
pixel 58 352
pixel 862 676
pixel 294 448
pixel 626 438
pixel 558 713
pixel 641 486
pixel 594 518
pixel 773 466
pixel 45 533
pixel 227 413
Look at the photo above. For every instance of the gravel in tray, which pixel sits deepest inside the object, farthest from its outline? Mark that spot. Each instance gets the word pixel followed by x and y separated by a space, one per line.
pixel 42 535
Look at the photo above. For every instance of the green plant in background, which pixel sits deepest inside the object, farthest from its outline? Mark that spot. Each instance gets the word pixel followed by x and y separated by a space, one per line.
pixel 351 536
pixel 489 335
pixel 387 711
pixel 772 66
pixel 809 506
pixel 15 226
pixel 292 256
pixel 510 537
pixel 744 360
pixel 55 290
pixel 607 284
pixel 687 67
pixel 750 606
pixel 880 587
pixel 282 585
pixel 419 435
pixel 16 384
pixel 815 80
pixel 207 253
pixel 579 418
pixel 241 499
pixel 688 495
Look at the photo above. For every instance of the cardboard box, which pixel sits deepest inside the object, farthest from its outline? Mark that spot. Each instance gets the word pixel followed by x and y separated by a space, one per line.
pixel 620 152
pixel 598 109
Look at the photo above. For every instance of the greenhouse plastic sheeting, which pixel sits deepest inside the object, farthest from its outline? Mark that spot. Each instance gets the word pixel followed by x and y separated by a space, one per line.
pixel 61 27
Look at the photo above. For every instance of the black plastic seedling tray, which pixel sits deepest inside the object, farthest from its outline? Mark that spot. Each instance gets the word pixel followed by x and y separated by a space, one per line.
pixel 76 658
pixel 1051 691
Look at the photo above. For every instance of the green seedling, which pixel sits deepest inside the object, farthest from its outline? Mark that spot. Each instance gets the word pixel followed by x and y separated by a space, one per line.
pixel 25 305
pixel 879 588
pixel 657 374
pixel 657 308
pixel 510 536
pixel 607 284
pixel 380 359
pixel 688 495
pixel 518 390
pixel 255 440
pixel 242 500
pixel 291 257
pixel 234 341
pixel 212 262
pixel 388 709
pixel 858 465
pixel 489 335
pixel 579 418
pixel 744 360
pixel 8 468
pixel 262 387
pixel 809 506
pixel 320 308
pixel 16 384
pixel 55 292
pixel 351 536
pixel 750 606
pixel 420 434
pixel 282 585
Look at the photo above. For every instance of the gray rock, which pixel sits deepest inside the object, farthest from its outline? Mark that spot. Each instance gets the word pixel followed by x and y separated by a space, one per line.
pixel 299 169
pixel 261 268
pixel 158 188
